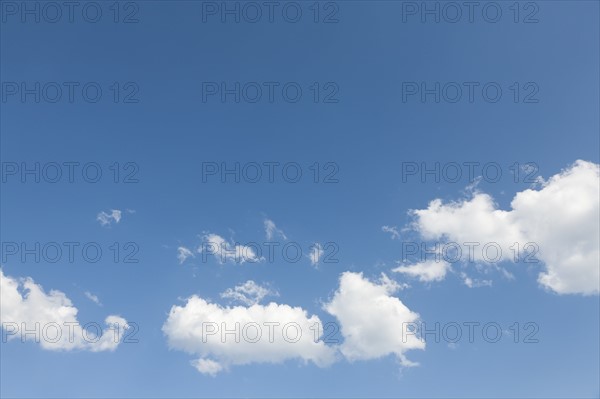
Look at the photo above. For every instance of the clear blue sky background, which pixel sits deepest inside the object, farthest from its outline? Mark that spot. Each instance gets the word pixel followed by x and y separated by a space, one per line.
pixel 368 133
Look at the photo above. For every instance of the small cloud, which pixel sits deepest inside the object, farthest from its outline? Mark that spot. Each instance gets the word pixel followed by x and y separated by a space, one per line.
pixel 507 275
pixel 390 285
pixel 214 244
pixel 106 219
pixel 248 293
pixel 315 254
pixel 93 298
pixel 207 366
pixel 183 253
pixel 474 283
pixel 426 271
pixel 529 168
pixel 393 230
pixel 472 187
pixel 271 230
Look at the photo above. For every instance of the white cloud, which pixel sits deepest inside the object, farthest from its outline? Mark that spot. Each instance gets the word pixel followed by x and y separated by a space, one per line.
pixel 183 253
pixel 371 320
pixel 562 218
pixel 474 283
pixel 207 366
pixel 271 230
pixel 248 293
pixel 474 220
pixel 391 285
pixel 92 297
pixel 24 304
pixel 426 271
pixel 197 328
pixel 224 251
pixel 106 219
pixel 315 254
pixel 393 230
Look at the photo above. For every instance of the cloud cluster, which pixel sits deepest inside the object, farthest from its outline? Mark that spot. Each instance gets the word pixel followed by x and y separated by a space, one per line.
pixel 215 245
pixel 369 317
pixel 24 305
pixel 561 218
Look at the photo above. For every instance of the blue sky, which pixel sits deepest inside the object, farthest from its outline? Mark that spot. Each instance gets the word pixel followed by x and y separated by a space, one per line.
pixel 361 133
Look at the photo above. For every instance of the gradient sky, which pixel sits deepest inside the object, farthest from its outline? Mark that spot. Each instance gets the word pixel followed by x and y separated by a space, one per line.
pixel 367 134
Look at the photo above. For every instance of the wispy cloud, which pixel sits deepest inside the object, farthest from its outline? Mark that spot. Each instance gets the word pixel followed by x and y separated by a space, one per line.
pixel 315 254
pixel 183 253
pixel 107 218
pixel 214 244
pixel 271 230
pixel 248 293
pixel 393 230
pixel 473 282
pixel 93 298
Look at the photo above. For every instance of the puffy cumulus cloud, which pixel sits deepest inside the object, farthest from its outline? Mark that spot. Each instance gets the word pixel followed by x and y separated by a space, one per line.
pixel 476 220
pixel 372 321
pixel 106 218
pixel 25 306
pixel 271 230
pixel 426 271
pixel 248 293
pixel 222 337
pixel 561 217
pixel 214 244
